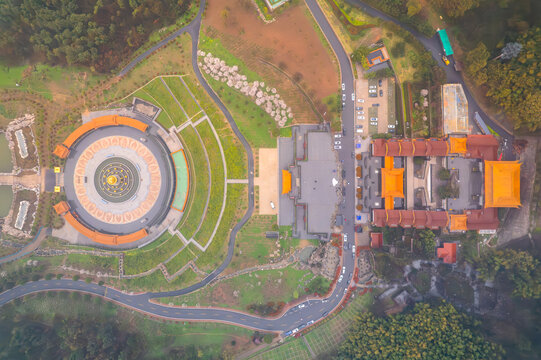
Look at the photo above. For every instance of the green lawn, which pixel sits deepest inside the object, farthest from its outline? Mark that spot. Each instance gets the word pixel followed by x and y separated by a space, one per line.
pixel 94 263
pixel 140 260
pixel 217 183
pixel 235 207
pixel 163 119
pixel 190 252
pixel 199 183
pixel 47 80
pixel 256 125
pixel 156 282
pixel 251 246
pixel 163 99
pixel 260 287
pixel 182 95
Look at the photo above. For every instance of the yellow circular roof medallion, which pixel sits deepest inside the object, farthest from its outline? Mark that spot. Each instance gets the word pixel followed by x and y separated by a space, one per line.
pixel 112 180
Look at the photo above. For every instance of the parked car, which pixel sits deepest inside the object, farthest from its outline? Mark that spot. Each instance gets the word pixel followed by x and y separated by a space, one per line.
pixel 343 173
pixel 360 131
pixel 343 97
pixel 337 142
pixel 360 100
pixel 339 281
pixel 375 104
pixel 361 117
pixel 381 93
pixel 380 82
pixel 345 237
pixel 337 147
pixel 337 136
pixel 343 86
pixel 287 333
pixel 360 112
pixel 374 123
pixel 302 326
pixel 371 91
pixel 391 126
pixel 359 108
pixel 325 314
pixel 301 306
pixel 294 331
pixel 272 205
pixel 445 60
pixel 372 86
pixel 343 269
pixel 353 250
pixel 353 97
pixel 373 119
pixel 374 94
pixel 309 322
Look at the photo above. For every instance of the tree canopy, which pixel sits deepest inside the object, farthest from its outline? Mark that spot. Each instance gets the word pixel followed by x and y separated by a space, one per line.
pixel 97 33
pixel 515 83
pixel 519 267
pixel 456 8
pixel 427 332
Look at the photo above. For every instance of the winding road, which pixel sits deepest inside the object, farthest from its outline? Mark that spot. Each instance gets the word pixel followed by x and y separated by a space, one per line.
pixel 301 314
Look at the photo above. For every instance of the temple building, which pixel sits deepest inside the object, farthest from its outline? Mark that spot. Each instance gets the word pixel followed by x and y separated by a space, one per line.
pixel 456 183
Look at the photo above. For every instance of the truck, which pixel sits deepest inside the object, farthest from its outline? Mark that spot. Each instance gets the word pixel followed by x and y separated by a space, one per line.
pixel 445 43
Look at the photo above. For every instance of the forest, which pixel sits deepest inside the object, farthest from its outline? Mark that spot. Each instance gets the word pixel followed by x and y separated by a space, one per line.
pixel 96 33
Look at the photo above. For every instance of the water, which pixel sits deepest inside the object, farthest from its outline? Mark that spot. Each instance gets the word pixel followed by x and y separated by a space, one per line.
pixel 6 197
pixel 5 155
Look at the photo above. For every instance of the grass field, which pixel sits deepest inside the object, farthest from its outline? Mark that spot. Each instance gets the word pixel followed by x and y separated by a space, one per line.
pixel 217 183
pixel 182 95
pixel 199 186
pixel 157 90
pixel 108 264
pixel 141 260
pixel 251 246
pixel 190 252
pixel 49 81
pixel 236 204
pixel 256 125
pixel 260 287
pixel 174 58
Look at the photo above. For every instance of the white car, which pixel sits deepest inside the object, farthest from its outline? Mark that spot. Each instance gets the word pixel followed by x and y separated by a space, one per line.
pixel 360 100
pixel 272 205
pixel 294 331
pixel 343 86
pixel 374 123
pixel 345 237
pixel 339 280
pixel 343 269
pixel 302 306
pixel 309 322
pixel 337 147
pixel 360 112
pixel 353 250
pixel 337 136
pixel 353 97
pixel 372 91
pixel 343 97
pixel 360 131
pixel 361 117
pixel 390 126
pixel 337 142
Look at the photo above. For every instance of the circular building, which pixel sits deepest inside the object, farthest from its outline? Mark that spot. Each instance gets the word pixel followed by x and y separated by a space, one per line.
pixel 120 180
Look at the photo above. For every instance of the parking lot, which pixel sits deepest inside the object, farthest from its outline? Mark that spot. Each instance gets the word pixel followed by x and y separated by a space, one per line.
pixel 371 106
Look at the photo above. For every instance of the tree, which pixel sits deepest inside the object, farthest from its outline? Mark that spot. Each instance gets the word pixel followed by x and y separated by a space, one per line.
pixel 519 267
pixel 444 174
pixel 456 8
pixel 476 60
pixel 446 191
pixel 427 332
pixel 425 244
pixel 414 6
pixel 360 54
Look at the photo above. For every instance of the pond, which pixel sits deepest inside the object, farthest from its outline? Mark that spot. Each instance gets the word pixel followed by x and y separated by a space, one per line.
pixel 6 197
pixel 5 155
